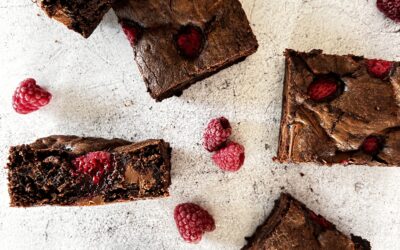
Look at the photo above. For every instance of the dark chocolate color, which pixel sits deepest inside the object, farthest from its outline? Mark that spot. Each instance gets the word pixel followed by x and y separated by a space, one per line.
pixel 228 40
pixel 334 131
pixel 291 225
pixel 82 16
pixel 42 173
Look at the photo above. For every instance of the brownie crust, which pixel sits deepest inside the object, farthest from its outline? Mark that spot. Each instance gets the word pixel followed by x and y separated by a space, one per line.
pixel 291 225
pixel 82 16
pixel 43 173
pixel 334 131
pixel 228 39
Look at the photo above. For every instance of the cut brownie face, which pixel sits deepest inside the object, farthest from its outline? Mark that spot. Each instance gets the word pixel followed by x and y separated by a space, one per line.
pixel 340 109
pixel 70 170
pixel 291 225
pixel 177 43
pixel 82 16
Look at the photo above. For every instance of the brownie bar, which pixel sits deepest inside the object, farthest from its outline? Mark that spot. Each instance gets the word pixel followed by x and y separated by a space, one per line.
pixel 291 225
pixel 71 170
pixel 340 109
pixel 82 16
pixel 177 43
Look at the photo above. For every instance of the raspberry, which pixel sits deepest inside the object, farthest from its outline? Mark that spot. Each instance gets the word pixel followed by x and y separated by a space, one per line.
pixel 320 220
pixel 131 30
pixel 391 8
pixel 193 221
pixel 323 89
pixel 216 133
pixel 372 145
pixel 230 158
pixel 94 164
pixel 189 41
pixel 29 97
pixel 379 68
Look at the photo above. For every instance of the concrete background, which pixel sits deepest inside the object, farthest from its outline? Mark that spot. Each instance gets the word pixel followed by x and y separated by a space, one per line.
pixel 98 92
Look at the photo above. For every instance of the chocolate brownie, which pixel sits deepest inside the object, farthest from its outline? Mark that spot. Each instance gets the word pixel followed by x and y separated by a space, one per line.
pixel 82 16
pixel 177 43
pixel 340 109
pixel 71 170
pixel 291 225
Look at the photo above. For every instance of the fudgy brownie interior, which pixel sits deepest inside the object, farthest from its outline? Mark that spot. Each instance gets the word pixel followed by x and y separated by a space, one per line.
pixel 69 170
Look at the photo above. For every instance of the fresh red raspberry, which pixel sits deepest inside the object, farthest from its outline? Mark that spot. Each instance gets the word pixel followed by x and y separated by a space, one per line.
pixel 372 145
pixel 193 221
pixel 379 68
pixel 131 30
pixel 320 221
pixel 323 89
pixel 189 41
pixel 29 97
pixel 230 158
pixel 391 8
pixel 94 164
pixel 216 133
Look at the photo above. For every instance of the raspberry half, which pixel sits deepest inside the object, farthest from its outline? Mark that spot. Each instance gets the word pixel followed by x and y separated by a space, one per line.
pixel 390 8
pixel 230 158
pixel 29 97
pixel 372 145
pixel 94 164
pixel 379 68
pixel 193 221
pixel 190 41
pixel 323 89
pixel 217 132
pixel 132 30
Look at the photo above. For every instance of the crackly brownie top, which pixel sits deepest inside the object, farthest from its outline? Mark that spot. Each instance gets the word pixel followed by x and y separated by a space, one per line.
pixel 292 225
pixel 177 41
pixel 82 16
pixel 340 109
pixel 71 170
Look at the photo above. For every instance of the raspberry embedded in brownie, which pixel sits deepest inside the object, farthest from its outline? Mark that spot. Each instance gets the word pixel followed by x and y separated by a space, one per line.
pixel 340 109
pixel 185 41
pixel 71 170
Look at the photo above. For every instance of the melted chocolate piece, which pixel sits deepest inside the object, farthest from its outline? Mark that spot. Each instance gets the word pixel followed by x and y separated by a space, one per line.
pixel 220 35
pixel 43 173
pixel 336 131
pixel 291 225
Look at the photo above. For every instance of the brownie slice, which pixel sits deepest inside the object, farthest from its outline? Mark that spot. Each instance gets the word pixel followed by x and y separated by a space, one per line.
pixel 82 16
pixel 71 170
pixel 177 43
pixel 291 225
pixel 340 109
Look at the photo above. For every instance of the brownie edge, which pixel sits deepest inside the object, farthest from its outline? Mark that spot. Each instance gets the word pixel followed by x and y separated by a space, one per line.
pixel 291 225
pixel 71 170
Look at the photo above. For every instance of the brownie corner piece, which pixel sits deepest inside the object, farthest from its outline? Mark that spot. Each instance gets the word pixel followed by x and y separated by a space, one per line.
pixel 71 170
pixel 78 15
pixel 291 225
pixel 177 43
pixel 340 109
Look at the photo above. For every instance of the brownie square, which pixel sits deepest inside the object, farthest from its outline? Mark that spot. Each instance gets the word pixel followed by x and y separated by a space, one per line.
pixel 340 109
pixel 82 16
pixel 291 225
pixel 177 43
pixel 71 170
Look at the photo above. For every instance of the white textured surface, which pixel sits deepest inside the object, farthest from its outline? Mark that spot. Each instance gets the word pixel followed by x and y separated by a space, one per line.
pixel 98 92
